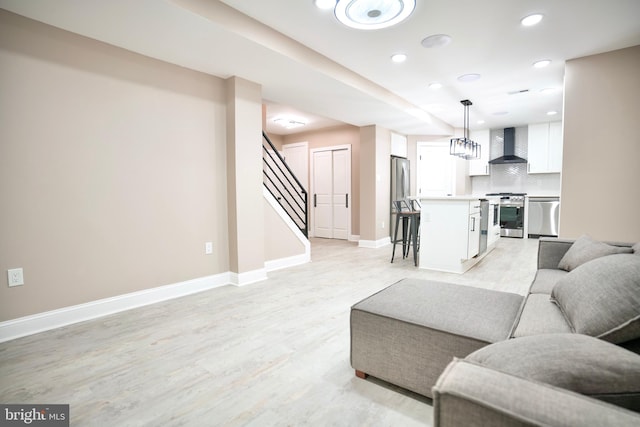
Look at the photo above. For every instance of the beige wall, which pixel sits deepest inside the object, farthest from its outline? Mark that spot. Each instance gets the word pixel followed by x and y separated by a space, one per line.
pixel 112 170
pixel 375 170
pixel 244 175
pixel 279 240
pixel 601 159
pixel 342 135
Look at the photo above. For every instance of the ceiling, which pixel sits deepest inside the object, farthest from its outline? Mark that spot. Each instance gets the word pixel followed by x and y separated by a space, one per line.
pixel 322 72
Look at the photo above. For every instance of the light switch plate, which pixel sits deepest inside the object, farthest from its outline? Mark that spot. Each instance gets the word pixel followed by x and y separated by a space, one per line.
pixel 15 277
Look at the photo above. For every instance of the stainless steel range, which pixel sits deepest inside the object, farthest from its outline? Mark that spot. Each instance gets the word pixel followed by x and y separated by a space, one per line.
pixel 512 206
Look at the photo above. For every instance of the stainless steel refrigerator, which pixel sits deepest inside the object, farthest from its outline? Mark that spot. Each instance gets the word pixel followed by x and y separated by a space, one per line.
pixel 400 187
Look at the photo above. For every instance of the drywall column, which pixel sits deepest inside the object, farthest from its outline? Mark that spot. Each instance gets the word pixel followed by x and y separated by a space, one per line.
pixel 244 181
pixel 600 173
pixel 375 169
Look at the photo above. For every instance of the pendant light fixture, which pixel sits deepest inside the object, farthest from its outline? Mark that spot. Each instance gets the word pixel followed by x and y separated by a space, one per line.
pixel 464 147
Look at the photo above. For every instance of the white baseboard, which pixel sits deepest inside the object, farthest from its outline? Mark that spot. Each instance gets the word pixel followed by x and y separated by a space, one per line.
pixel 374 244
pixel 354 238
pixel 241 279
pixel 278 264
pixel 48 320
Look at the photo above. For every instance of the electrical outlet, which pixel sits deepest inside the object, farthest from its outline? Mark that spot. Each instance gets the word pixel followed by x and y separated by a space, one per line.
pixel 382 224
pixel 15 277
pixel 208 248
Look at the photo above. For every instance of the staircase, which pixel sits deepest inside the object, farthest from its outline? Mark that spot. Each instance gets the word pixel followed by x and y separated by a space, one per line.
pixel 283 185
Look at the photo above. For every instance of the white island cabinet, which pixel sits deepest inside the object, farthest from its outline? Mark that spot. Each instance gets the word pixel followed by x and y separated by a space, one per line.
pixel 450 233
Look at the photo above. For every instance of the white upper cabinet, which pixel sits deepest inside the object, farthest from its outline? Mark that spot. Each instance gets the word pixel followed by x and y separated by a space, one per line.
pixel 480 166
pixel 545 148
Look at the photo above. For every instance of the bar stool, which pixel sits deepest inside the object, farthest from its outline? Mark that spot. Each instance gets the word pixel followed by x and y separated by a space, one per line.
pixel 410 224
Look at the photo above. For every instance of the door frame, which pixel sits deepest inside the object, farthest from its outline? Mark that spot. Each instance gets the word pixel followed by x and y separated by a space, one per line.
pixel 312 189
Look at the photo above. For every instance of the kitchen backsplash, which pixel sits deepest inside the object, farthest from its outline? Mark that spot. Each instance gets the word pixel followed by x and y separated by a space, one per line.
pixel 514 177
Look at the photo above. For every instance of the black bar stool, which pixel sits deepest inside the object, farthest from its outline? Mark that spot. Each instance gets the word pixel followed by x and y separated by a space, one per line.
pixel 410 225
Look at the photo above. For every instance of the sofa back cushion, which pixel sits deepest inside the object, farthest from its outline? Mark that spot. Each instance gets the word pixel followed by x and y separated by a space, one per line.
pixel 601 298
pixel 585 249
pixel 575 362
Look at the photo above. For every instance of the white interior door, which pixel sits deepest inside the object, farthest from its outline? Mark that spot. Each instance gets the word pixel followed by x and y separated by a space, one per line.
pixel 331 186
pixel 322 197
pixel 434 172
pixel 341 171
pixel 297 158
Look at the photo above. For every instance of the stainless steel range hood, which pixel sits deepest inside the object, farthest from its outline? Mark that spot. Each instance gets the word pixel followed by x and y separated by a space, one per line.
pixel 509 150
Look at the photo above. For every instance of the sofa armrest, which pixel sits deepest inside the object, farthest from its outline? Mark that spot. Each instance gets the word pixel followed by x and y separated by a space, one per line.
pixel 551 250
pixel 471 395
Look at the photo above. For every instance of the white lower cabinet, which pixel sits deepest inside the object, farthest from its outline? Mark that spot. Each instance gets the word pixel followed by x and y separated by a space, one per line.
pixel 473 242
pixel 493 231
pixel 449 233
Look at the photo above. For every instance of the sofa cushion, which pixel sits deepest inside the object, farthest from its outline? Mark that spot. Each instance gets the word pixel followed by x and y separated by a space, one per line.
pixel 575 362
pixel 585 249
pixel 601 298
pixel 636 248
pixel 545 280
pixel 539 316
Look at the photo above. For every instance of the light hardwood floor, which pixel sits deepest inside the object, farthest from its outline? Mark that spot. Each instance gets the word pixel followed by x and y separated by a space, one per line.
pixel 272 353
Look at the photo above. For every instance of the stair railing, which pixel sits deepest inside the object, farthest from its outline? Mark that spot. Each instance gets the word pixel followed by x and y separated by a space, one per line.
pixel 283 185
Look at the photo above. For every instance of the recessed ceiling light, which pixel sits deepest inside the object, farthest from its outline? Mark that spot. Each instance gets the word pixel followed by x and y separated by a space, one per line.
pixel 466 78
pixel 436 40
pixel 325 4
pixel 530 20
pixel 542 64
pixel 435 86
pixel 500 113
pixel 551 113
pixel 373 14
pixel 548 90
pixel 480 122
pixel 399 57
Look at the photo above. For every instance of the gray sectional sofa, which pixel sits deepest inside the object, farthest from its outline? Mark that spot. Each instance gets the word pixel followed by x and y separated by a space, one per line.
pixel 584 300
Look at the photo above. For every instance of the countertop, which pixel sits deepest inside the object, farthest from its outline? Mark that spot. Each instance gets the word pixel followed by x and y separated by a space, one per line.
pixel 453 198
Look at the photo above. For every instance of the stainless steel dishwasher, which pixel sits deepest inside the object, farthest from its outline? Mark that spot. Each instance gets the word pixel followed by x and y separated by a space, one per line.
pixel 544 213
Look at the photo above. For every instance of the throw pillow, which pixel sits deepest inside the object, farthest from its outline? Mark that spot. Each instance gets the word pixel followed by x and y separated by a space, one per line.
pixel 636 248
pixel 601 298
pixel 585 249
pixel 574 362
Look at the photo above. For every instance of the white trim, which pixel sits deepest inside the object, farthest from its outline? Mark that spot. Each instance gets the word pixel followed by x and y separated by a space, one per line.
pixel 286 218
pixel 292 261
pixel 249 277
pixel 48 320
pixel 374 244
pixel 354 237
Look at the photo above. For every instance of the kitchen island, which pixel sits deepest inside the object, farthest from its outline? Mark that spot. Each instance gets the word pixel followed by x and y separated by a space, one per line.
pixel 450 231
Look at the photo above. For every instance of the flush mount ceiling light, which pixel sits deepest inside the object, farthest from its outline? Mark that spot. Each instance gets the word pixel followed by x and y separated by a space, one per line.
pixel 288 123
pixel 531 20
pixel 436 40
pixel 465 147
pixel 466 78
pixel 542 64
pixel 373 14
